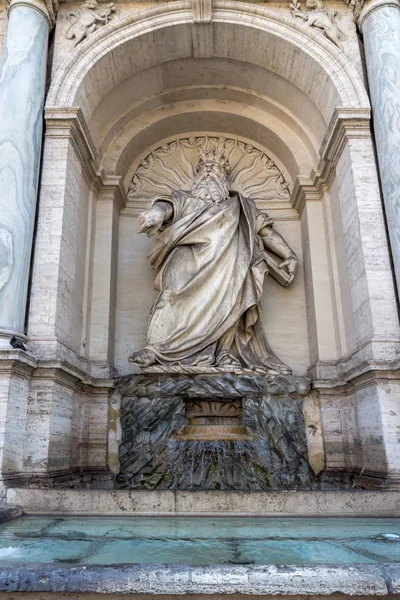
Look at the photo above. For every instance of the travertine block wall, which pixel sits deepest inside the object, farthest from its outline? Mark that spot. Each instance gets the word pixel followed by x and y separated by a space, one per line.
pixel 15 376
pixel 56 299
pixel 367 255
pixel 361 428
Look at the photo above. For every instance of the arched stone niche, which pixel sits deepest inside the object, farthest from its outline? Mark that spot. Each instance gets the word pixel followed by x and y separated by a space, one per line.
pixel 284 314
pixel 252 74
pixel 141 81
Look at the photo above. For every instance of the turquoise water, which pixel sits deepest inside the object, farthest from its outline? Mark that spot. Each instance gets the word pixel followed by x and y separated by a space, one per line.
pixel 199 541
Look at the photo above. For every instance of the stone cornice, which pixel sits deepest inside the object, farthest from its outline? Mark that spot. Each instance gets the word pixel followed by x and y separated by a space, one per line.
pixel 109 188
pixel 17 362
pixel 69 123
pixel 346 123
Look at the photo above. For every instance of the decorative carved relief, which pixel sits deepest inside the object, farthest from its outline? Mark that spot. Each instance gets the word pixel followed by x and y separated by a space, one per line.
pixel 356 6
pixel 173 166
pixel 212 408
pixel 52 8
pixel 317 16
pixel 87 19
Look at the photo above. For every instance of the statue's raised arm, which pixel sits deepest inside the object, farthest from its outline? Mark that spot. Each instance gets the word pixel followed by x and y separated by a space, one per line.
pixel 211 266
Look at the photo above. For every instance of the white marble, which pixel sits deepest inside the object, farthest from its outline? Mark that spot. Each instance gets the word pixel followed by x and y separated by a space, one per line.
pixel 381 30
pixel 22 87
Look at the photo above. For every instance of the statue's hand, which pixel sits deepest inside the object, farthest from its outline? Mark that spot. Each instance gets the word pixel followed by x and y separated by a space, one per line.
pixel 151 220
pixel 291 264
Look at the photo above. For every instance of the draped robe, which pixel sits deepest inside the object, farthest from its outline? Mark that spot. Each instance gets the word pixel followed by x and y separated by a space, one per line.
pixel 211 264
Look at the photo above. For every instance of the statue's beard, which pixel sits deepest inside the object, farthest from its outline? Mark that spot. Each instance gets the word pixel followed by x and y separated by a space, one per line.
pixel 210 189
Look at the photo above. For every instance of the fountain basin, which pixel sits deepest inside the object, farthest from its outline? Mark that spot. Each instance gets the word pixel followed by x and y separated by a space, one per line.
pixel 142 572
pixel 197 541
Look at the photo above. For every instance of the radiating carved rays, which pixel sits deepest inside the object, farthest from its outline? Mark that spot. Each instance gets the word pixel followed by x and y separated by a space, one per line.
pixel 173 166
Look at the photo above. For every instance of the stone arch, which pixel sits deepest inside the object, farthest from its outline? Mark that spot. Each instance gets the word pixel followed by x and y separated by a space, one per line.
pixel 106 66
pixel 346 86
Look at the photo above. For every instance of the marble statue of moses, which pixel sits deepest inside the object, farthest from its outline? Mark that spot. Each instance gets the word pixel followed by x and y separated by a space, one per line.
pixel 210 253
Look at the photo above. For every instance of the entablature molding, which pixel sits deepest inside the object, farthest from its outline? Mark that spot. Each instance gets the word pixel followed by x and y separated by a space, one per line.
pixel 110 189
pixel 346 124
pixel 17 362
pixel 69 123
pixel 373 354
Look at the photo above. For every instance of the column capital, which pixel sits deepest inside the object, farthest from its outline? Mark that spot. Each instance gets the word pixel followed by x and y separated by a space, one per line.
pixel 370 6
pixel 48 8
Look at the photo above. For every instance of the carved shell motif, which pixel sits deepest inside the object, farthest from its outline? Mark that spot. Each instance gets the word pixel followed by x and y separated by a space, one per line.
pixel 173 166
pixel 210 408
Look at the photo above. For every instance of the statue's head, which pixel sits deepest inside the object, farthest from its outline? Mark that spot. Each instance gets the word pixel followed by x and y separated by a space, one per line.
pixel 211 179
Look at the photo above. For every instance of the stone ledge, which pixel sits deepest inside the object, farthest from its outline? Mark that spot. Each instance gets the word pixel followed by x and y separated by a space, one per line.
pixel 350 580
pixel 212 385
pixel 7 513
pixel 273 503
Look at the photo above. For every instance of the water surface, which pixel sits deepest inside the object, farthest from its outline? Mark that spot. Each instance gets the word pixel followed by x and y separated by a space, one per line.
pixel 200 540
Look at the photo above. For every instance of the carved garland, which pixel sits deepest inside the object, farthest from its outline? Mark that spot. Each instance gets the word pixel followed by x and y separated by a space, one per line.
pixel 173 166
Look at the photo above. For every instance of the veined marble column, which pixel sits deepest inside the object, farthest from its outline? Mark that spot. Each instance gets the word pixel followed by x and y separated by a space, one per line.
pixel 22 91
pixel 380 25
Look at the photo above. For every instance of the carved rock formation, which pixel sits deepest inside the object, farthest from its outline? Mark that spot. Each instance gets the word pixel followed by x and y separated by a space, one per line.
pixel 153 412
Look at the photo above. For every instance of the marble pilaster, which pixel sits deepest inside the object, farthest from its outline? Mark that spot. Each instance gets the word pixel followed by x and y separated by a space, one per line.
pixel 22 91
pixel 380 24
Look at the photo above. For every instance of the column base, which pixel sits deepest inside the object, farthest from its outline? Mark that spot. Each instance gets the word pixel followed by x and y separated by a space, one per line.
pixel 6 336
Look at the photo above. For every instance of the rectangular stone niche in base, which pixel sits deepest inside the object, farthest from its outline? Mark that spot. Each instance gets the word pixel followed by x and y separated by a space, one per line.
pixel 213 431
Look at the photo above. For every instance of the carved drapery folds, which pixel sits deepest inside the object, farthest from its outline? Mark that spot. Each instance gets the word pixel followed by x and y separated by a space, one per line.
pixel 87 19
pixel 173 166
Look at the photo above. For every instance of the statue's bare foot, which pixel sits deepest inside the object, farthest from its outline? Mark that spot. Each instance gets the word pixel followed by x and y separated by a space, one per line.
pixel 143 358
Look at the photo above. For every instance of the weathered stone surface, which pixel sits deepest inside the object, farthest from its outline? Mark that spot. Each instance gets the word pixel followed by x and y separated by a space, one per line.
pixel 362 580
pixel 153 410
pixel 203 386
pixel 10 512
pixel 132 502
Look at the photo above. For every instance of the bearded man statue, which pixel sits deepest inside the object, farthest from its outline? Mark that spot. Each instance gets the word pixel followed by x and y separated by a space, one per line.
pixel 210 252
